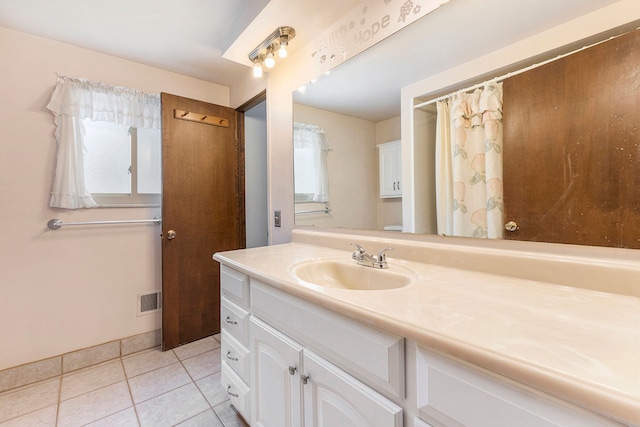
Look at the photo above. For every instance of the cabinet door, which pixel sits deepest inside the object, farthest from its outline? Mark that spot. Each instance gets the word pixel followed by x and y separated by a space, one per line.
pixel 334 398
pixel 390 161
pixel 453 394
pixel 275 378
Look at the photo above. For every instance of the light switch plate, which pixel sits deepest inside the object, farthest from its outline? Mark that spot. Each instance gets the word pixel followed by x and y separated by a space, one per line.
pixel 277 218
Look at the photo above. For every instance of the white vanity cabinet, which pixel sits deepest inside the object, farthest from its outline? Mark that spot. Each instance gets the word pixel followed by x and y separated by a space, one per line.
pixel 234 350
pixel 390 169
pixel 294 383
pixel 276 385
pixel 453 394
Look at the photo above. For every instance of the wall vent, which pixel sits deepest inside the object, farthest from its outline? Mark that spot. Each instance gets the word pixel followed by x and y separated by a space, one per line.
pixel 149 302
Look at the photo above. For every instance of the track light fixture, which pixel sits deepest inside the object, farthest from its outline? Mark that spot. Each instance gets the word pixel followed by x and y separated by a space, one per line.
pixel 263 54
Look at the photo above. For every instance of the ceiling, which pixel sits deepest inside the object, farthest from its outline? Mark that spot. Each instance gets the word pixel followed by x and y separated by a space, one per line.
pixel 205 39
pixel 210 39
pixel 368 86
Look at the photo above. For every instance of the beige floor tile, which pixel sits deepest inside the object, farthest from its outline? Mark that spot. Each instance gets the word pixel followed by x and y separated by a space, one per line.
pixel 229 416
pixel 195 348
pixel 126 418
pixel 147 361
pixel 211 388
pixel 90 356
pixel 154 383
pixel 203 365
pixel 205 419
pixel 30 373
pixel 172 408
pixel 45 417
pixel 90 379
pixel 25 400
pixel 94 405
pixel 100 396
pixel 140 342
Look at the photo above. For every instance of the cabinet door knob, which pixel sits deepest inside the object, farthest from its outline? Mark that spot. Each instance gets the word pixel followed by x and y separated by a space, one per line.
pixel 235 359
pixel 305 378
pixel 292 370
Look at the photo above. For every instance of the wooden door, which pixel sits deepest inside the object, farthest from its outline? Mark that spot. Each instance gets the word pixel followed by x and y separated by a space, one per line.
pixel 202 213
pixel 572 148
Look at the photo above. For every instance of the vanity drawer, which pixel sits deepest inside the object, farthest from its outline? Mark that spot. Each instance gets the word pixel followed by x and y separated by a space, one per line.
pixel 373 356
pixel 453 394
pixel 237 390
pixel 235 320
pixel 235 355
pixel 234 285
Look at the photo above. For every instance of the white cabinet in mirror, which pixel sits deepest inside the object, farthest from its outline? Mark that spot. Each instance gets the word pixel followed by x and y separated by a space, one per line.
pixel 390 169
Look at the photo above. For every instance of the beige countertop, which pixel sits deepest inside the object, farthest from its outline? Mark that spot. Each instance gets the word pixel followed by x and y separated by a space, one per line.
pixel 580 345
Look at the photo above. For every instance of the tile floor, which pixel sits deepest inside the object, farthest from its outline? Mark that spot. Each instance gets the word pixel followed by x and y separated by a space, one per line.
pixel 150 388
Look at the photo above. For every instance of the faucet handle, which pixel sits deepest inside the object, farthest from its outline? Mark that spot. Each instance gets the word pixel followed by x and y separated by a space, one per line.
pixel 381 259
pixel 359 252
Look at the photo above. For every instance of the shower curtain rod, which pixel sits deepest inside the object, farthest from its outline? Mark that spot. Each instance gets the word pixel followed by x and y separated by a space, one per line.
pixel 55 223
pixel 511 74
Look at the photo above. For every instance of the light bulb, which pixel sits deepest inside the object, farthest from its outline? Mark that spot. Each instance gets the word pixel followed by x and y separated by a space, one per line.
pixel 282 52
pixel 257 69
pixel 269 62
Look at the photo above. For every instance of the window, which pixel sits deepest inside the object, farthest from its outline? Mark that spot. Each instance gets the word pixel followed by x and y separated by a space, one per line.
pixel 78 106
pixel 311 180
pixel 122 164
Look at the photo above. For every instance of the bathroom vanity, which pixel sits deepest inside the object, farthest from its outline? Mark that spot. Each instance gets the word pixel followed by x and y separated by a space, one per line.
pixel 437 339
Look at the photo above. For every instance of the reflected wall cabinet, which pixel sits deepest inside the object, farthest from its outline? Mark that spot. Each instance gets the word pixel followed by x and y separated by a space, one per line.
pixel 390 169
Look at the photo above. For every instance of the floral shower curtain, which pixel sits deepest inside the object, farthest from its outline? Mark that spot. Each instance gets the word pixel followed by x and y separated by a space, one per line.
pixel 469 164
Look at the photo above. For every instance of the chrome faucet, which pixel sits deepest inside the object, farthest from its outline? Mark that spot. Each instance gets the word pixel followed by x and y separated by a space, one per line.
pixel 363 258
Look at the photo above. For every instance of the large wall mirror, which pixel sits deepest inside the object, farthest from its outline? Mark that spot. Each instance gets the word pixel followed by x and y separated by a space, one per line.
pixel 356 111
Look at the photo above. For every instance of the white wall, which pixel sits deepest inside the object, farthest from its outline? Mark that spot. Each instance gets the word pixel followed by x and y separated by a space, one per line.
pixel 76 287
pixel 255 155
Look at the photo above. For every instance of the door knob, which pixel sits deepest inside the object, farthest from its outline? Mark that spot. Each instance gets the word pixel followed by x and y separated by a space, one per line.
pixel 171 234
pixel 511 226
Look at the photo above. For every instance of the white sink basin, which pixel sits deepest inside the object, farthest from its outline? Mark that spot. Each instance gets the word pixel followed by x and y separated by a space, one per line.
pixel 342 274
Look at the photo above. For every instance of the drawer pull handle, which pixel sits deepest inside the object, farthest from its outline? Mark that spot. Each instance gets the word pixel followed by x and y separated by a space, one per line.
pixel 292 370
pixel 229 391
pixel 229 321
pixel 305 378
pixel 235 359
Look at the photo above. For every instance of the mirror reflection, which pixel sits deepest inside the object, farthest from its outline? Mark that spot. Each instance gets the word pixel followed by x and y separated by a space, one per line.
pixel 361 122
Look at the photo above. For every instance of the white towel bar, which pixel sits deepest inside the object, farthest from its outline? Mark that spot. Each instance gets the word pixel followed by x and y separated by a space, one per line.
pixel 55 223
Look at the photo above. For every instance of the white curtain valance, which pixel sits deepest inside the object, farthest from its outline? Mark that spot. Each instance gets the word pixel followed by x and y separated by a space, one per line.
pixel 309 136
pixel 86 99
pixel 74 100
